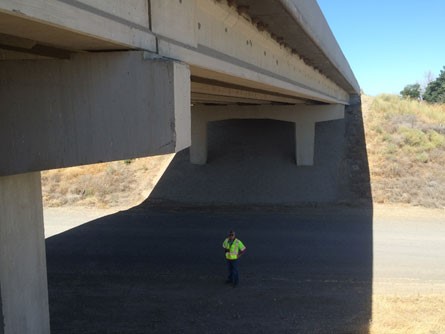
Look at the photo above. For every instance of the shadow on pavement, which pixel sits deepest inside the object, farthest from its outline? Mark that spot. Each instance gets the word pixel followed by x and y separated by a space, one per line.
pixel 159 268
pixel 149 271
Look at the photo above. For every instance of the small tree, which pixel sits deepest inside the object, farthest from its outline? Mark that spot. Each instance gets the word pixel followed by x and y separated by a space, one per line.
pixel 435 91
pixel 411 92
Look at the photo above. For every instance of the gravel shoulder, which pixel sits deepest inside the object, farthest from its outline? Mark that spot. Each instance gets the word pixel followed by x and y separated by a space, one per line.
pixel 329 271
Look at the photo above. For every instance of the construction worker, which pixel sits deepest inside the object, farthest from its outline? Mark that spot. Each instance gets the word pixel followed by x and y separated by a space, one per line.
pixel 233 249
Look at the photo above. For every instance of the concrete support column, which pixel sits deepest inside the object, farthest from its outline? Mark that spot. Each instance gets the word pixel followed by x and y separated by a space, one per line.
pixel 305 142
pixel 198 148
pixel 23 280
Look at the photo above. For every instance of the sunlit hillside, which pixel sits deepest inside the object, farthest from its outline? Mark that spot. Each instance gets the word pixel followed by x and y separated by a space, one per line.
pixel 406 150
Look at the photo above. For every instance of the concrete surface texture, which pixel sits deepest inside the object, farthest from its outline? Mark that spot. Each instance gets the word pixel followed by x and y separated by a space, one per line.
pixel 91 108
pixel 80 25
pixel 163 271
pixel 23 279
pixel 304 117
pixel 302 25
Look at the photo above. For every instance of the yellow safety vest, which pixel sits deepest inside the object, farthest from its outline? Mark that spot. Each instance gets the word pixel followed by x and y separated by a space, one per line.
pixel 233 248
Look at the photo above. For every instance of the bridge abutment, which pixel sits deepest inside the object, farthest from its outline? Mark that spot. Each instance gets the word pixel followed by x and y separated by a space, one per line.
pixel 304 116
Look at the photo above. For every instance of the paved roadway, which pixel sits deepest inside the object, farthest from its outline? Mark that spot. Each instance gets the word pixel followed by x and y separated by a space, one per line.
pixel 148 270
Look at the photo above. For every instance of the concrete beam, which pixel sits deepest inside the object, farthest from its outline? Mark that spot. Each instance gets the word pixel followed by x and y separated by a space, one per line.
pixel 23 280
pixel 301 25
pixel 304 116
pixel 93 108
pixel 79 24
pixel 216 89
pixel 231 49
pixel 175 20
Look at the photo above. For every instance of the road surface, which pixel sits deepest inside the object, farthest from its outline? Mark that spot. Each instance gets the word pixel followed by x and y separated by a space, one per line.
pixel 148 270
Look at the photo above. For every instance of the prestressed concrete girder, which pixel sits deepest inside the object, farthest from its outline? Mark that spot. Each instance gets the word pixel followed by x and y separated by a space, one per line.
pixel 302 26
pixel 304 116
pixel 228 48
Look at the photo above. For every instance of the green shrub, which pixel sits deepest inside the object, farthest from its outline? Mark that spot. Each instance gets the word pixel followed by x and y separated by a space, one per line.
pixel 422 157
pixel 437 140
pixel 414 137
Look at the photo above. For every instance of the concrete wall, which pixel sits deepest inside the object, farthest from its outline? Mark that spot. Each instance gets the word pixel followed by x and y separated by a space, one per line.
pixel 91 108
pixel 23 280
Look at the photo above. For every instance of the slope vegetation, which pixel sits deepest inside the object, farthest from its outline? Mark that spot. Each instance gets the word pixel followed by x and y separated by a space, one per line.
pixel 406 150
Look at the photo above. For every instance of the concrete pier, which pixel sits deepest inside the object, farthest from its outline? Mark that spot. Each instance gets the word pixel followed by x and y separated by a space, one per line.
pixel 23 281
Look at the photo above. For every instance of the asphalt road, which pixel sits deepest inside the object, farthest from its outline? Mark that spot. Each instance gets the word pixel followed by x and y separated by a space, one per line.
pixel 306 271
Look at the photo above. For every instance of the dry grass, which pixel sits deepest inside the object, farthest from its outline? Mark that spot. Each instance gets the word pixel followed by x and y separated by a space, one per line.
pixel 406 150
pixel 115 184
pixel 408 314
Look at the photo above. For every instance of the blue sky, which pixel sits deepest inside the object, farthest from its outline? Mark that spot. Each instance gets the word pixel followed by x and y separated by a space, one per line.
pixel 389 43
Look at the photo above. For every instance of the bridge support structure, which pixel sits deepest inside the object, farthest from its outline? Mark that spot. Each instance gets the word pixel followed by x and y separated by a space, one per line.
pixel 23 280
pixel 56 113
pixel 304 116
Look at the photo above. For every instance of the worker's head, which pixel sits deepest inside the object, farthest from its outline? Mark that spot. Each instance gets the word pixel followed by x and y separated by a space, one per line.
pixel 231 234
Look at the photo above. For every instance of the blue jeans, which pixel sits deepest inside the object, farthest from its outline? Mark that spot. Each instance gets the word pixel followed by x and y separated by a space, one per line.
pixel 232 266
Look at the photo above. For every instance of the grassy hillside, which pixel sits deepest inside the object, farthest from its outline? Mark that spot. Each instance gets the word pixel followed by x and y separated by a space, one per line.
pixel 406 152
pixel 114 184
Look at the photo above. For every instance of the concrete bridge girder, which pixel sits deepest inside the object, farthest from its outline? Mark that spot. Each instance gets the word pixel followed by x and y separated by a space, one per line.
pixel 228 48
pixel 304 116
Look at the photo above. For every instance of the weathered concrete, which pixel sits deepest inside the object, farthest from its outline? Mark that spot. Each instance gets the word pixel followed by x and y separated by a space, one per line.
pixel 305 117
pixel 79 25
pixel 301 26
pixel 231 49
pixel 23 281
pixel 92 108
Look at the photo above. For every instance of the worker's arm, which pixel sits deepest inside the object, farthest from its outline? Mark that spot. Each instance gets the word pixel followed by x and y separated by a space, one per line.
pixel 241 252
pixel 225 246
